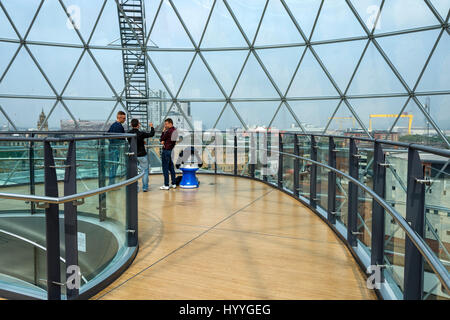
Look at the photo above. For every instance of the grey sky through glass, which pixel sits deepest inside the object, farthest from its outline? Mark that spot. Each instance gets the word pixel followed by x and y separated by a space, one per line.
pixel 285 81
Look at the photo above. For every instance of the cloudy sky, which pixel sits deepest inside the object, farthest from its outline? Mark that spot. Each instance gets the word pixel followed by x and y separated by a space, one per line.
pixel 407 52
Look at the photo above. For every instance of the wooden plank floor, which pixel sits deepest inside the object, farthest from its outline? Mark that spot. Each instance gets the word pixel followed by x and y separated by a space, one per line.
pixel 235 238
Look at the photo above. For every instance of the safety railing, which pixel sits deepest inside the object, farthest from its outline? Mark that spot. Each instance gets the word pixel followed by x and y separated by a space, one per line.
pixel 68 226
pixel 386 200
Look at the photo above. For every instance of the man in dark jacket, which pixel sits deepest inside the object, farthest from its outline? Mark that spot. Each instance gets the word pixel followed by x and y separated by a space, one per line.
pixel 141 152
pixel 168 141
pixel 116 145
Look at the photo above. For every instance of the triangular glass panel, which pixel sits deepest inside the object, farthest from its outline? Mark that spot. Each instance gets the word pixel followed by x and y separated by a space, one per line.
pixel 172 66
pixel 58 117
pixel 442 6
pixel 257 114
pixel 284 119
pixel 6 29
pixel 8 50
pixel 401 15
pixel 32 84
pixel 277 27
pixel 53 25
pixel 84 18
pixel 437 76
pixel 281 70
pixel 222 30
pixel 32 108
pixel 305 12
pixel 156 87
pixel 110 61
pixel 200 10
pixel 407 56
pixel 343 122
pixel 168 32
pixel 311 80
pixel 340 59
pixel 248 13
pixel 206 113
pixel 57 62
pixel 313 115
pixel 228 120
pixel 337 21
pixel 22 14
pixel 199 83
pixel 379 113
pixel 253 82
pixel 87 81
pixel 374 76
pixel 91 115
pixel 107 31
pixel 226 65
pixel 437 107
pixel 368 10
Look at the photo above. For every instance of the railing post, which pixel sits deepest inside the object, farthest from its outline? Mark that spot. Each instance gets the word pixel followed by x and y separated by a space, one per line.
pixel 52 226
pixel 132 197
pixel 332 182
pixel 313 175
pixel 215 153
pixel 101 159
pixel 296 166
pixel 235 171
pixel 252 155
pixel 378 214
pixel 353 194
pixel 280 161
pixel 70 217
pixel 415 216
pixel 265 164
pixel 32 174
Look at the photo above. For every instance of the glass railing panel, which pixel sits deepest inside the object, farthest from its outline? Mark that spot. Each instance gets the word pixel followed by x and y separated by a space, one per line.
pixel 433 289
pixel 342 154
pixel 394 252
pixel 288 173
pixel 22 248
pixel 396 177
pixel 437 206
pixel 101 238
pixel 365 202
pixel 304 144
pixel 322 173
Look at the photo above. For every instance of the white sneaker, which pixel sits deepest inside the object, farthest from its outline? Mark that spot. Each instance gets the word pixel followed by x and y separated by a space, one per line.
pixel 174 186
pixel 164 187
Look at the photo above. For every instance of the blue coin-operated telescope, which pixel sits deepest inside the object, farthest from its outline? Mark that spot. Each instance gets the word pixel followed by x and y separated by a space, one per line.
pixel 189 161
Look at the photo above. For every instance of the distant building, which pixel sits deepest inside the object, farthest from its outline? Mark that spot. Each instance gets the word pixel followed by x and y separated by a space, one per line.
pixel 385 135
pixel 41 120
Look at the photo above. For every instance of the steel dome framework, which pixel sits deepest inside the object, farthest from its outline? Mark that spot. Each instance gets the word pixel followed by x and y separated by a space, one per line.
pixel 253 51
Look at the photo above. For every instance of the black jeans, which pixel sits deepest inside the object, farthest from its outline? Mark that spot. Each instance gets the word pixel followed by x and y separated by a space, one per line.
pixel 167 165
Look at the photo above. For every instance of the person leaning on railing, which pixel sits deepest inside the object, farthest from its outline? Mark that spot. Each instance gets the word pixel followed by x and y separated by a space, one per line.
pixel 115 145
pixel 141 152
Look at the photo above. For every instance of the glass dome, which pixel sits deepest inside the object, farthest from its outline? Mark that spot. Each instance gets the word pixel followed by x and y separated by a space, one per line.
pixel 311 66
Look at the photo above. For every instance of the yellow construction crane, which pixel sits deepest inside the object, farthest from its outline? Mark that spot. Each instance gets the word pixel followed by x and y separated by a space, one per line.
pixel 404 115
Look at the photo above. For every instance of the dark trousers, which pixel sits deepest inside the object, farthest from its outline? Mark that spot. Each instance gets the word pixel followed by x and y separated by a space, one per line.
pixel 167 165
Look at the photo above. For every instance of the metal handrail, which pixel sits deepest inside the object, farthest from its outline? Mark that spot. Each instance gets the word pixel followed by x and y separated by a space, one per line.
pixel 73 197
pixel 418 242
pixel 106 135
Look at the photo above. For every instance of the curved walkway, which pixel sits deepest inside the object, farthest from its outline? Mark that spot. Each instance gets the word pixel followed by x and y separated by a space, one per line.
pixel 234 238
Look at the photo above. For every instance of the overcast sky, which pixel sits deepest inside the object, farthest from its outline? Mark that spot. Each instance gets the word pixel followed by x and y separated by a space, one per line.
pixel 407 52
